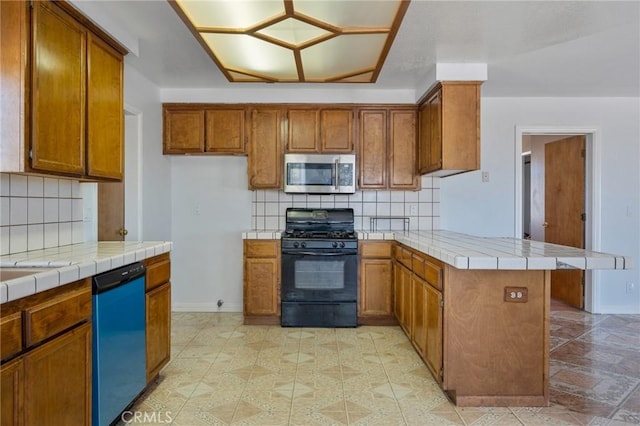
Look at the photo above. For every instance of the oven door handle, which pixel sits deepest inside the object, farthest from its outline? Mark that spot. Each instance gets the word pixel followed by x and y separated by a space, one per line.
pixel 311 253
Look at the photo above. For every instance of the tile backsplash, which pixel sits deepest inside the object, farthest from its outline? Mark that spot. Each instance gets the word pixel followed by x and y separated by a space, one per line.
pixel 421 208
pixel 39 212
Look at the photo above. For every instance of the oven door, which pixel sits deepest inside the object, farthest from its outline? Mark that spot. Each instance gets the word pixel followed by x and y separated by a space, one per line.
pixel 312 276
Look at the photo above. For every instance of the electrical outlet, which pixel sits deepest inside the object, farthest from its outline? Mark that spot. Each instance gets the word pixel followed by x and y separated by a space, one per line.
pixel 516 294
pixel 413 210
pixel 485 176
pixel 630 287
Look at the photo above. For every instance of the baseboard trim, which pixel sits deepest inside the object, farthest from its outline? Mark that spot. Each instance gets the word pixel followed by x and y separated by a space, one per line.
pixel 206 307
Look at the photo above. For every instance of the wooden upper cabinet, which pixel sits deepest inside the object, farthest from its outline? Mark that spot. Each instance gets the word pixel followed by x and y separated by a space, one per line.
pixel 303 130
pixel 402 147
pixel 320 130
pixel 203 129
pixel 105 111
pixel 183 131
pixel 449 129
pixel 58 91
pixel 265 153
pixel 62 100
pixel 225 130
pixel 336 130
pixel 387 149
pixel 373 149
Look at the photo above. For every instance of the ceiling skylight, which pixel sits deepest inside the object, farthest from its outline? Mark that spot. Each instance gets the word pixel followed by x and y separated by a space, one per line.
pixel 313 41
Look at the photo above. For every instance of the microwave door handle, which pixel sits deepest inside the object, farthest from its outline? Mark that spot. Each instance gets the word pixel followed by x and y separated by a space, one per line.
pixel 335 173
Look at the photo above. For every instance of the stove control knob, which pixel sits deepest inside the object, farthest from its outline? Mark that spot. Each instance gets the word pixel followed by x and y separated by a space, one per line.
pixel 341 244
pixel 296 244
pixel 334 244
pixel 303 244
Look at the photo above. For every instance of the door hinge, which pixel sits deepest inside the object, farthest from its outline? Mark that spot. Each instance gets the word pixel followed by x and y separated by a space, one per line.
pixel 583 217
pixel 442 303
pixel 441 374
pixel 31 4
pixel 30 154
pixel 583 153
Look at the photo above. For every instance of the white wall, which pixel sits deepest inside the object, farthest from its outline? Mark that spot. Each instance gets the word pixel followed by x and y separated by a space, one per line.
pixel 488 209
pixel 144 98
pixel 211 207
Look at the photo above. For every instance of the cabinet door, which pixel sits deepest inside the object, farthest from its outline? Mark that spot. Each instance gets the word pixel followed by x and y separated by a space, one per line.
pixel 402 161
pixel 375 287
pixel 11 393
pixel 433 319
pixel 418 315
pixel 434 145
pixel 183 131
pixel 303 126
pixel 402 296
pixel 105 113
pixel 265 149
pixel 373 149
pixel 423 138
pixel 336 130
pixel 57 383
pixel 225 131
pixel 158 329
pixel 261 283
pixel 58 91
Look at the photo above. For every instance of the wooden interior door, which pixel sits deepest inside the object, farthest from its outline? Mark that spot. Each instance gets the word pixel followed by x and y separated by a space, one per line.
pixel 111 211
pixel 564 211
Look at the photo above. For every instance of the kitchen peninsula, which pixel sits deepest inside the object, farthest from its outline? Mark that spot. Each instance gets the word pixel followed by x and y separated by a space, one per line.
pixel 475 309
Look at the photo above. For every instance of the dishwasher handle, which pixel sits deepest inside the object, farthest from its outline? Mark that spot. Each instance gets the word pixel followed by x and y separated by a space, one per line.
pixel 117 277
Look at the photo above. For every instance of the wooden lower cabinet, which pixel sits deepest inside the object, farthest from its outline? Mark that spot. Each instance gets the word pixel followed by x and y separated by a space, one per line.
pixel 419 305
pixel 57 380
pixel 432 314
pixel 418 315
pixel 46 377
pixel 375 295
pixel 158 313
pixel 261 287
pixel 402 296
pixel 11 393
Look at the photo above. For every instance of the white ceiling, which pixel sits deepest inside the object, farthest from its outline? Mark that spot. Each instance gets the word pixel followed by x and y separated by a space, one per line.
pixel 531 48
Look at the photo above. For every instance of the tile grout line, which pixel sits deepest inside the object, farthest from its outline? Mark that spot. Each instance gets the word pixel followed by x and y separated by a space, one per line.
pixel 295 376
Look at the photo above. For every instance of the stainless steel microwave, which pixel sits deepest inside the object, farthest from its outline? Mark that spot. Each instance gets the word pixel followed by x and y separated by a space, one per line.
pixel 320 173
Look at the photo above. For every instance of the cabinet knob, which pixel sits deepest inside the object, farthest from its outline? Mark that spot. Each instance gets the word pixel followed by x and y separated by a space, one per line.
pixel 546 224
pixel 123 232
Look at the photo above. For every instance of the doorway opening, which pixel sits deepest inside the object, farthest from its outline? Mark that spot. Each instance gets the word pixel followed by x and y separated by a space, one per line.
pixel 550 201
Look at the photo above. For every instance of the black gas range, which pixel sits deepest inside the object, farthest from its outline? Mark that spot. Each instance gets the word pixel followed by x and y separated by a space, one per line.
pixel 319 268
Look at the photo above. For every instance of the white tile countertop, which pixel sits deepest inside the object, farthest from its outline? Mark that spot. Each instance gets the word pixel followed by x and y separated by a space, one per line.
pixel 465 251
pixel 71 263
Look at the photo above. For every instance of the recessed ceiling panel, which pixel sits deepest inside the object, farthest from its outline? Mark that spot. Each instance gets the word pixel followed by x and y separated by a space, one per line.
pixel 246 53
pixel 342 55
pixel 350 13
pixel 293 31
pixel 295 40
pixel 230 14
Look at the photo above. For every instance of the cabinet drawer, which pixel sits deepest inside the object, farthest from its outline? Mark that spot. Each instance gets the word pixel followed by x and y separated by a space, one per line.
pixel 403 256
pixel 158 272
pixel 257 248
pixel 433 274
pixel 377 249
pixel 10 335
pixel 59 313
pixel 417 265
